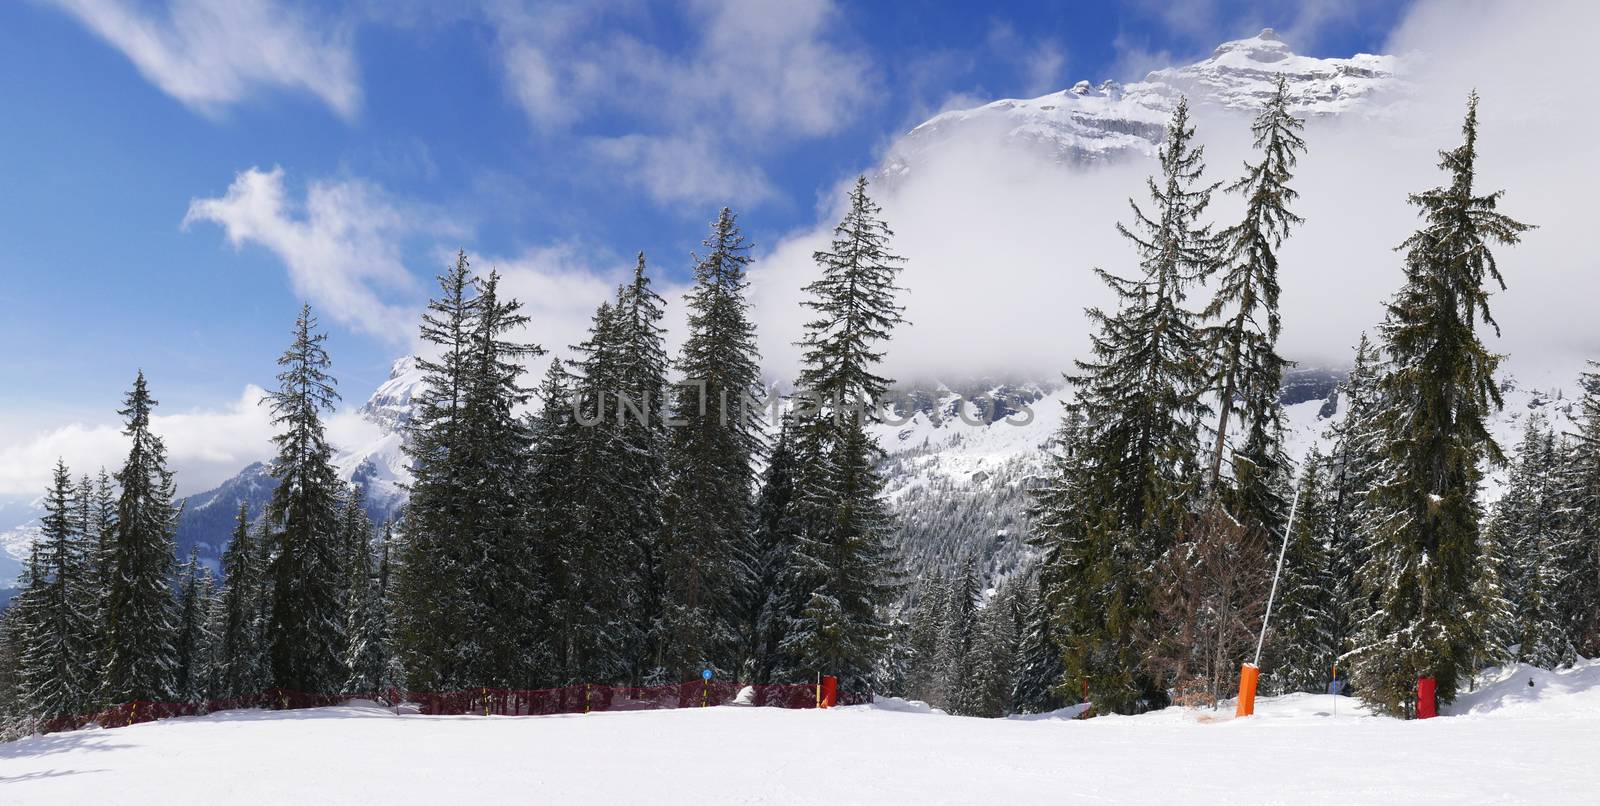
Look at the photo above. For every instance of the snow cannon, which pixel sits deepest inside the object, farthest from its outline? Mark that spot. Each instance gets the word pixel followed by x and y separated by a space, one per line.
pixel 1249 674
pixel 1427 703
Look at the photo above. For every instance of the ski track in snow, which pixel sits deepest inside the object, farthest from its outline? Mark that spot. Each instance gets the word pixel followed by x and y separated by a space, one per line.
pixel 1509 743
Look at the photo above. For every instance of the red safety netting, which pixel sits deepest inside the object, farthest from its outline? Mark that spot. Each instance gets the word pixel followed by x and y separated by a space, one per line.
pixel 574 699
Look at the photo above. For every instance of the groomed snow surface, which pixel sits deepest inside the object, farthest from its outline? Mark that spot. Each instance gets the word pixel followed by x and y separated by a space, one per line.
pixel 1506 743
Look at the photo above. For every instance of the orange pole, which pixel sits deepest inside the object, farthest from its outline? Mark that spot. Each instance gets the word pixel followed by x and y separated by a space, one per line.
pixel 1249 674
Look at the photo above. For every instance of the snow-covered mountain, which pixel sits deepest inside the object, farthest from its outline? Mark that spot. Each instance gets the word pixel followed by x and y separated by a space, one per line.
pixel 1091 123
pixel 380 467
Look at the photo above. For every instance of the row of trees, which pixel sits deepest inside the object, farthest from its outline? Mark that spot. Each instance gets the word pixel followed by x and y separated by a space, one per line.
pixel 619 532
pixel 106 614
pixel 611 530
pixel 1171 487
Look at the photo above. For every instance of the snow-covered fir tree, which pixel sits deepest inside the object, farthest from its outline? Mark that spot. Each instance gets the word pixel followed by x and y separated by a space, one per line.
pixel 195 641
pixel 305 632
pixel 1580 490
pixel 994 655
pixel 1353 464
pixel 1248 371
pixel 435 625
pixel 1438 392
pixel 1138 396
pixel 641 379
pixel 1537 558
pixel 139 622
pixel 1038 671
pixel 1303 651
pixel 716 438
pixel 772 537
pixel 954 655
pixel 59 676
pixel 241 661
pixel 844 568
pixel 369 654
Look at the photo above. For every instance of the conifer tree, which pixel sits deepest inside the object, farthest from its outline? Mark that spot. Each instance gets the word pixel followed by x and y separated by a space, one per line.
pixel 558 503
pixel 241 667
pixel 993 658
pixel 434 620
pixel 954 658
pixel 1438 393
pixel 14 719
pixel 1302 635
pixel 768 602
pixel 1138 396
pixel 139 622
pixel 58 673
pixel 718 435
pixel 640 476
pixel 1492 618
pixel 926 631
pixel 1581 494
pixel 1039 670
pixel 1249 372
pixel 305 633
pixel 844 567
pixel 1537 563
pixel 1353 467
pixel 367 627
pixel 577 456
pixel 194 642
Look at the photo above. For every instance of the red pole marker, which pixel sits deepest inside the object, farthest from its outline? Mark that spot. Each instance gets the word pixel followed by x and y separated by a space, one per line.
pixel 1427 705
pixel 830 691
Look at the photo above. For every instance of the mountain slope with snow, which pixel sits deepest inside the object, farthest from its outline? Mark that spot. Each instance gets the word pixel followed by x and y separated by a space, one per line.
pixel 1096 123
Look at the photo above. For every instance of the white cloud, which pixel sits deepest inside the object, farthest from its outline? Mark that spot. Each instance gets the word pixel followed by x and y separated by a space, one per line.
pixel 210 55
pixel 204 446
pixel 560 286
pixel 1001 245
pixel 760 74
pixel 685 168
pixel 341 246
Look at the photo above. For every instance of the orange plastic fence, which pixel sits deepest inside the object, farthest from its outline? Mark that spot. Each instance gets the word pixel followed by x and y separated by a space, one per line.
pixel 575 699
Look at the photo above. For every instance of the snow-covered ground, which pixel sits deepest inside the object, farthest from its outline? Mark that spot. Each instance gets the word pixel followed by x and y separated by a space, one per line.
pixel 1509 743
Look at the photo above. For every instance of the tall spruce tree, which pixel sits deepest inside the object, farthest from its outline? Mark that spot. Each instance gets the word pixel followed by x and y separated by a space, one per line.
pixel 58 671
pixel 504 579
pixel 844 568
pixel 241 667
pixel 434 618
pixel 1248 370
pixel 305 633
pixel 1138 397
pixel 717 438
pixel 1438 393
pixel 1303 651
pixel 772 537
pixel 640 477
pixel 140 628
pixel 1354 463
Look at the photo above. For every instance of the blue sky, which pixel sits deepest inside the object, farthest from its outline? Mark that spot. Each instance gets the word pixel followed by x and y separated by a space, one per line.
pixel 179 175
